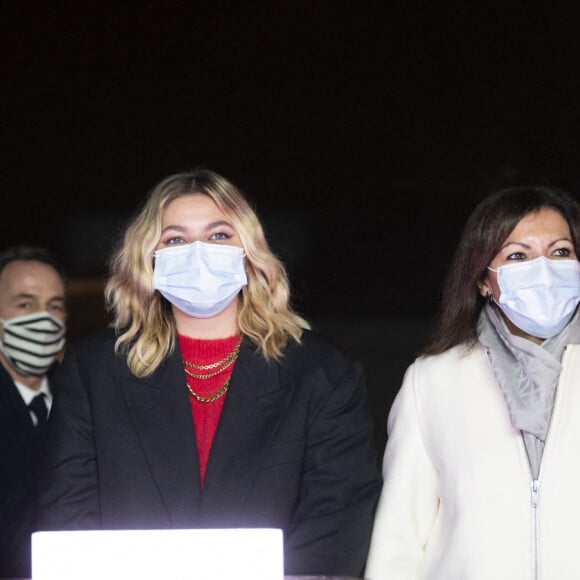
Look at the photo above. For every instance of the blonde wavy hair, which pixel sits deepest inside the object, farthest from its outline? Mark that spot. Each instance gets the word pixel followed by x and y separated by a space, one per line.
pixel 143 318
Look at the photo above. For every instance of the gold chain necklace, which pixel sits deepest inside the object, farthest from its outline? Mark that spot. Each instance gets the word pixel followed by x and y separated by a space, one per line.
pixel 224 362
pixel 209 375
pixel 210 398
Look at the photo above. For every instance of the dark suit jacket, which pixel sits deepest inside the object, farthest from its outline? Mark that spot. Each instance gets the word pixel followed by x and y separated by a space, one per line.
pixel 21 448
pixel 293 450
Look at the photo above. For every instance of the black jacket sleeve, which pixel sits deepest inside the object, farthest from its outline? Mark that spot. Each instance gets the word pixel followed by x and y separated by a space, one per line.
pixel 340 483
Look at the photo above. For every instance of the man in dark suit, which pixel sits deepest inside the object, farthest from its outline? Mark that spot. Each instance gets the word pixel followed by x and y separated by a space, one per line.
pixel 32 328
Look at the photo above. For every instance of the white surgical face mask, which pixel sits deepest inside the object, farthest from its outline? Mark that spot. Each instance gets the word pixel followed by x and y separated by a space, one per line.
pixel 30 343
pixel 539 296
pixel 200 279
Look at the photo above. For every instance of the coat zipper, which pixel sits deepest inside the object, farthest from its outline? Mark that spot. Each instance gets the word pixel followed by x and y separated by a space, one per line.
pixel 535 488
pixel 535 483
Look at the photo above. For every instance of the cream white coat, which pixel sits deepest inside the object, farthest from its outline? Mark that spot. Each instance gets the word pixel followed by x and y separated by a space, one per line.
pixel 457 497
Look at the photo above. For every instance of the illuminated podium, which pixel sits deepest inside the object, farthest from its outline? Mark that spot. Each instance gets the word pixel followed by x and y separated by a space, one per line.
pixel 229 554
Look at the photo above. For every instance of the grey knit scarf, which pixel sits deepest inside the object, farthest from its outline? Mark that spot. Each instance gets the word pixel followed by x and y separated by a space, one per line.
pixel 527 374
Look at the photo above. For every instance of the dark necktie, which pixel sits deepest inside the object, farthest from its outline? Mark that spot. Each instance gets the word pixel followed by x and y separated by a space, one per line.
pixel 39 408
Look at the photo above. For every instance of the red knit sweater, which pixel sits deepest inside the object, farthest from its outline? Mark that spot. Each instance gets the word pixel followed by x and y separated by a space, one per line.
pixel 206 416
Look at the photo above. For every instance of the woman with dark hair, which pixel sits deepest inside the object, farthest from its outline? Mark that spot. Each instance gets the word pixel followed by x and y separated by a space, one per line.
pixel 480 470
pixel 211 404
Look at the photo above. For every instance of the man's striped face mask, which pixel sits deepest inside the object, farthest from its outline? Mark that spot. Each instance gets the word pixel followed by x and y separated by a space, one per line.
pixel 31 343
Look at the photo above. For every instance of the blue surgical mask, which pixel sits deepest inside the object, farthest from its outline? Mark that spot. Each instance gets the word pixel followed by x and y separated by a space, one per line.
pixel 539 296
pixel 200 279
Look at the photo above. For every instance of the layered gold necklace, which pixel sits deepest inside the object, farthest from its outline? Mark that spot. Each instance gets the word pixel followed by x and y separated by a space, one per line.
pixel 220 366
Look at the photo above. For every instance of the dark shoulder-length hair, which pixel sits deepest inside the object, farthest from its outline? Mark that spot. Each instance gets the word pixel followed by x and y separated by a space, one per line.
pixel 484 234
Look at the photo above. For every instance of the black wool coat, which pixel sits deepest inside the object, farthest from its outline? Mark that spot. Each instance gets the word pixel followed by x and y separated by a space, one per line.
pixel 21 450
pixel 293 450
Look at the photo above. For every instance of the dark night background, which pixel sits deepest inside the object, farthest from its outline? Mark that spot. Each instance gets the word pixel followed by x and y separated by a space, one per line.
pixel 364 132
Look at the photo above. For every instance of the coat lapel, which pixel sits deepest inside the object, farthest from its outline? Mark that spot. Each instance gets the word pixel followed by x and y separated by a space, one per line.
pixel 255 403
pixel 159 409
pixel 13 411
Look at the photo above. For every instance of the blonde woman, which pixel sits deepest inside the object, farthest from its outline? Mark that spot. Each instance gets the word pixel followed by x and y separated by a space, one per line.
pixel 210 404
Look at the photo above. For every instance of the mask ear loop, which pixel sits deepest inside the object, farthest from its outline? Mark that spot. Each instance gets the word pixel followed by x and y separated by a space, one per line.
pixel 154 259
pixel 489 296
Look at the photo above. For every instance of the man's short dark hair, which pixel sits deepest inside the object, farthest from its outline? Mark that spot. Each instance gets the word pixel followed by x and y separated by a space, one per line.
pixel 32 254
